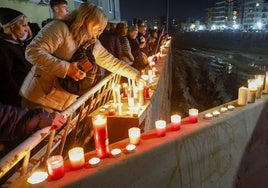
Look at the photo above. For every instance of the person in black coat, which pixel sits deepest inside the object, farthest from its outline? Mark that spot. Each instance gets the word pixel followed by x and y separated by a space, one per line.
pixel 17 123
pixel 140 59
pixel 14 66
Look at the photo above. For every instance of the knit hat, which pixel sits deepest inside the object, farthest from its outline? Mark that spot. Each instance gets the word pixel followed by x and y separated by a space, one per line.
pixel 9 16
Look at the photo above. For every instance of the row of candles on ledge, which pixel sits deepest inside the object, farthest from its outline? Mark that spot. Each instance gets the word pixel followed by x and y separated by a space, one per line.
pixel 55 164
pixel 255 88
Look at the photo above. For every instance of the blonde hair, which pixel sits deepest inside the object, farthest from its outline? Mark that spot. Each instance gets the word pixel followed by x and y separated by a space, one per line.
pixel 82 20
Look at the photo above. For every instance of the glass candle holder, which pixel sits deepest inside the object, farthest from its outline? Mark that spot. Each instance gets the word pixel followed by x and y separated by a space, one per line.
pixel 193 115
pixel 77 158
pixel 101 139
pixel 175 122
pixel 55 167
pixel 160 126
pixel 134 135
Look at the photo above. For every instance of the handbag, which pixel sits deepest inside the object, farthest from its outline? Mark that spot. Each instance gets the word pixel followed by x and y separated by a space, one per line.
pixel 86 63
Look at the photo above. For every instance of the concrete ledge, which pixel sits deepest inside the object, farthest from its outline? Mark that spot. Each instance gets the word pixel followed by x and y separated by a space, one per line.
pixel 210 153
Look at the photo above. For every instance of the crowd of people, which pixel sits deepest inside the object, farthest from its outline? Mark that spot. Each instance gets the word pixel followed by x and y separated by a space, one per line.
pixel 44 70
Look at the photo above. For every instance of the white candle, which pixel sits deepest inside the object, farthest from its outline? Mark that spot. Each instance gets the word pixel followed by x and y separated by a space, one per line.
pixel 140 94
pixel 259 79
pixel 150 76
pixel 216 113
pixel 118 93
pixel 208 116
pixel 130 148
pixel 134 134
pixel 230 107
pixel 37 177
pixel 94 161
pixel 77 158
pixel 266 84
pixel 116 152
pixel 113 92
pixel 160 126
pixel 242 96
pixel 120 106
pixel 175 122
pixel 223 109
pixel 252 90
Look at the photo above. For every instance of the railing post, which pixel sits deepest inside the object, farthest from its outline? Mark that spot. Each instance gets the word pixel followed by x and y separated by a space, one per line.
pixel 25 163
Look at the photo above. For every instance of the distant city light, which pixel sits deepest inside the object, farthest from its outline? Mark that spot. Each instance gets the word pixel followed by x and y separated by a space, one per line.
pixel 259 25
pixel 235 26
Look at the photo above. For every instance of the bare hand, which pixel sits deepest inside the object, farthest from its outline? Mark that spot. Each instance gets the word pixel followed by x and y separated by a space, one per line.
pixel 75 73
pixel 58 121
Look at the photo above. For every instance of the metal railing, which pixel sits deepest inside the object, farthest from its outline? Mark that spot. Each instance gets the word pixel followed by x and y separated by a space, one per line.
pixel 52 141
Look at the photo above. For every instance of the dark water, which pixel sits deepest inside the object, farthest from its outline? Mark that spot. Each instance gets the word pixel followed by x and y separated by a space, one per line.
pixel 204 79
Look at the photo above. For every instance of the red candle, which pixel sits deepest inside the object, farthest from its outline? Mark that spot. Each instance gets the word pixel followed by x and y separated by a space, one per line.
pixel 146 93
pixel 193 115
pixel 175 122
pixel 55 167
pixel 160 126
pixel 101 135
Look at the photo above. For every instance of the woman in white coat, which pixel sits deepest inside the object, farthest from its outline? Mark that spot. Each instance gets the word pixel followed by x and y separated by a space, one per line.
pixel 50 53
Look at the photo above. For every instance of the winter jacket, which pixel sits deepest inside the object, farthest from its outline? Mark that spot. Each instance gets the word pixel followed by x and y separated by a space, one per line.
pixel 126 50
pixel 50 52
pixel 14 68
pixel 17 123
pixel 139 61
pixel 110 41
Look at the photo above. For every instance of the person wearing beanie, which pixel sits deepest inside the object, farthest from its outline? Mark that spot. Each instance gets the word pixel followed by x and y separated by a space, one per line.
pixel 14 66
pixel 59 9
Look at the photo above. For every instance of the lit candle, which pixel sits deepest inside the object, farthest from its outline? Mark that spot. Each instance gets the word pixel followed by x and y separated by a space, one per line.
pixel 216 113
pixel 193 115
pixel 150 76
pixel 134 134
pixel 55 167
pixel 146 93
pixel 252 90
pixel 175 122
pixel 116 152
pixel 140 94
pixel 101 139
pixel 120 106
pixel 266 84
pixel 230 107
pixel 111 111
pixel 118 93
pixel 130 148
pixel 37 178
pixel 130 97
pixel 242 96
pixel 94 161
pixel 223 109
pixel 208 116
pixel 76 156
pixel 160 126
pixel 113 92
pixel 259 79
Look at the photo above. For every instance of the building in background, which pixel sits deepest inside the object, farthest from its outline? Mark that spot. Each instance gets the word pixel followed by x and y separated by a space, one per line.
pixel 255 15
pixel 223 15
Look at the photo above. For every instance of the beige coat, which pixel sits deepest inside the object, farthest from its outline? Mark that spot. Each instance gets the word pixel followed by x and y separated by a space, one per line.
pixel 40 85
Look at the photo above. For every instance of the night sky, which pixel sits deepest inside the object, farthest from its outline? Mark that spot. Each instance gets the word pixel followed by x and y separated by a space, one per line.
pixel 179 9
